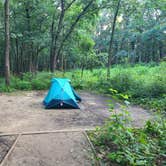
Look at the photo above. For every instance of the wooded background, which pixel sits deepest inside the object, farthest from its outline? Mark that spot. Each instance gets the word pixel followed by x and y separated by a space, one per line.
pixel 86 34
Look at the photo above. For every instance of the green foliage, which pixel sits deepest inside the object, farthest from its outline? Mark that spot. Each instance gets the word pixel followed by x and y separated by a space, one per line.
pixel 122 81
pixel 77 84
pixel 38 84
pixel 27 76
pixel 156 104
pixel 23 85
pixel 144 85
pixel 139 35
pixel 82 40
pixel 117 143
pixel 3 88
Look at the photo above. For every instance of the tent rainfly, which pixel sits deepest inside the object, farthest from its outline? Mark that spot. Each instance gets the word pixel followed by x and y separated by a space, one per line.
pixel 61 95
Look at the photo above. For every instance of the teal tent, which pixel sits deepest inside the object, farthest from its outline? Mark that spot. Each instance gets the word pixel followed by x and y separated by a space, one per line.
pixel 61 95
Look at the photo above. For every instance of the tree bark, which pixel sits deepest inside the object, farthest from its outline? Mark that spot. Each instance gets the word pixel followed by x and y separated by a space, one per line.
pixel 7 44
pixel 111 39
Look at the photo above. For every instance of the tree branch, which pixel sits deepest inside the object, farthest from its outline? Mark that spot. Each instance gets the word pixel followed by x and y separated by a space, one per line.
pixel 69 5
pixel 74 24
pixel 112 38
pixel 60 21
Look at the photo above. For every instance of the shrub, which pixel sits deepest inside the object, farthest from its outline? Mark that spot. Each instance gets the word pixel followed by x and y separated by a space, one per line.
pixel 3 88
pixel 102 85
pixel 27 76
pixel 156 104
pixel 40 84
pixel 157 88
pixel 119 144
pixel 77 84
pixel 122 81
pixel 23 85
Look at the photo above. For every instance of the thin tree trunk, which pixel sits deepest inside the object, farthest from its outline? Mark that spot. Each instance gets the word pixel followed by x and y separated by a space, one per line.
pixel 160 50
pixel 30 43
pixel 82 70
pixel 7 44
pixel 56 37
pixel 52 42
pixel 111 40
pixel 17 56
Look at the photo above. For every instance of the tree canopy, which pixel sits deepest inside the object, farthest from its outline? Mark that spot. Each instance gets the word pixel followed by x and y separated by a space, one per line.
pixel 64 34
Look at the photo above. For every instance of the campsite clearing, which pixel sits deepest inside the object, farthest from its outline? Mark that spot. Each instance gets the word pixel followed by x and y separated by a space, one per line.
pixel 23 112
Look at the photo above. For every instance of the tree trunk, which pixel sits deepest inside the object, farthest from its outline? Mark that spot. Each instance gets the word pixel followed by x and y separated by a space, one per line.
pixel 53 51
pixel 17 56
pixel 52 43
pixel 56 50
pixel 29 46
pixel 160 50
pixel 82 70
pixel 111 40
pixel 7 44
pixel 53 62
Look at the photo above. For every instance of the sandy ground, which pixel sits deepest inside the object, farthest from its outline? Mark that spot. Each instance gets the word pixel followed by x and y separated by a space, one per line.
pixel 24 112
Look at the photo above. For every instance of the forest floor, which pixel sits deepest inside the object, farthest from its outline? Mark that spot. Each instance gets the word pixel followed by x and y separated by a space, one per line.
pixel 23 112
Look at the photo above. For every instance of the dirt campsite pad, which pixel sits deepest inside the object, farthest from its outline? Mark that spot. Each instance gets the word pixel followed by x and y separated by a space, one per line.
pixel 23 112
pixel 62 149
pixel 5 144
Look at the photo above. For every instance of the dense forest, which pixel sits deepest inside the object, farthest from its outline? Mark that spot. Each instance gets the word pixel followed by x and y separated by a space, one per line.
pixel 50 35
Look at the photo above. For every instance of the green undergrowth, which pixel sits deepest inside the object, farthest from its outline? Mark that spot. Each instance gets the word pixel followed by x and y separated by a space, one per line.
pixel 119 144
pixel 144 84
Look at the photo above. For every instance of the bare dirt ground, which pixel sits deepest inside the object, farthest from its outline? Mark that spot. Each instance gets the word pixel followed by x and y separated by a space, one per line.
pixel 63 149
pixel 24 112
pixel 5 144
